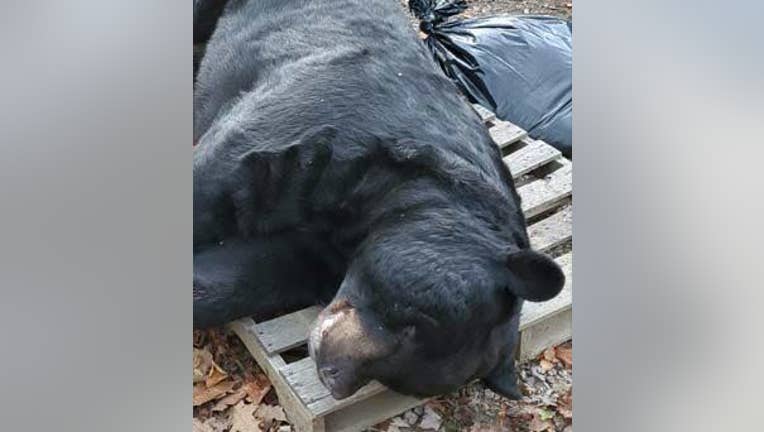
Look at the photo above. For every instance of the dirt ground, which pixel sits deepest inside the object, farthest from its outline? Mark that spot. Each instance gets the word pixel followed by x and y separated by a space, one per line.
pixel 231 393
pixel 559 8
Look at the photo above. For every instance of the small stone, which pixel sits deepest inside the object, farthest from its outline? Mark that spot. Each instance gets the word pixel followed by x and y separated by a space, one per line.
pixel 430 419
pixel 526 11
pixel 410 417
pixel 419 410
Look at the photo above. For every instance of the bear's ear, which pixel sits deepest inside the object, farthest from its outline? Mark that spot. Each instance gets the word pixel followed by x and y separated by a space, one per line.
pixel 533 276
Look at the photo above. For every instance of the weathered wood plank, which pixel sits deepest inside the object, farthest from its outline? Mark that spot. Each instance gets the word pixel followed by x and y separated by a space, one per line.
pixel 552 231
pixel 541 195
pixel 484 114
pixel 302 377
pixel 533 313
pixel 505 133
pixel 287 331
pixel 534 155
pixel 299 416
pixel 550 332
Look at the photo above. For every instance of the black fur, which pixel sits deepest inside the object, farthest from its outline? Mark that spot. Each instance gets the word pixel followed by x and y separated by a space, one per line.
pixel 206 14
pixel 328 139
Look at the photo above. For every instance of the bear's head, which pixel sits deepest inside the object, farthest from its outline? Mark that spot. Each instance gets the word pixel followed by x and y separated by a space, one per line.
pixel 427 306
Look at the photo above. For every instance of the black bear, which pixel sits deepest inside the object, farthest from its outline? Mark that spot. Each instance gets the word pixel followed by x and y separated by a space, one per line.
pixel 206 14
pixel 336 164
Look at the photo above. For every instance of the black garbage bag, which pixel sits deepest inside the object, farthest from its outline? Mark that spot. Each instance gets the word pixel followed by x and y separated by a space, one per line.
pixel 519 67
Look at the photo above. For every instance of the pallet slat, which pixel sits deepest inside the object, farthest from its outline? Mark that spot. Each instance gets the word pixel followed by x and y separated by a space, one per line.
pixel 553 231
pixel 534 155
pixel 287 331
pixel 505 133
pixel 303 378
pixel 300 418
pixel 484 114
pixel 547 333
pixel 544 194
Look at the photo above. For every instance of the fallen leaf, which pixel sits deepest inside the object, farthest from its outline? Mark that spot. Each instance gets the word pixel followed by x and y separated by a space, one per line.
pixel 549 355
pixel 565 405
pixel 545 365
pixel 257 388
pixel 545 414
pixel 270 413
pixel 565 354
pixel 243 419
pixel 231 399
pixel 539 425
pixel 502 419
pixel 199 426
pixel 212 424
pixel 521 409
pixel 202 364
pixel 204 394
pixel 216 375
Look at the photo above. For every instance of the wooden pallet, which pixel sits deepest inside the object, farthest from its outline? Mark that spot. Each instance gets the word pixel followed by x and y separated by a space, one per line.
pixel 544 183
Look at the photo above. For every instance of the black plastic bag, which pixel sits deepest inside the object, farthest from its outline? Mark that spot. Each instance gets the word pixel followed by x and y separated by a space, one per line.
pixel 519 67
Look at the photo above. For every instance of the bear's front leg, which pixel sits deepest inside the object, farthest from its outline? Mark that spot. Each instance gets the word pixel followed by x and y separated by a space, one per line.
pixel 503 379
pixel 259 277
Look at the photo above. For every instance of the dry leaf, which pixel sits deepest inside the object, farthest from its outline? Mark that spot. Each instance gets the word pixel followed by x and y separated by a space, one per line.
pixel 202 364
pixel 204 394
pixel 549 355
pixel 216 375
pixel 257 388
pixel 199 426
pixel 270 413
pixel 231 399
pixel 212 424
pixel 242 418
pixel 565 354
pixel 565 405
pixel 502 418
pixel 538 425
pixel 545 365
pixel 521 409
